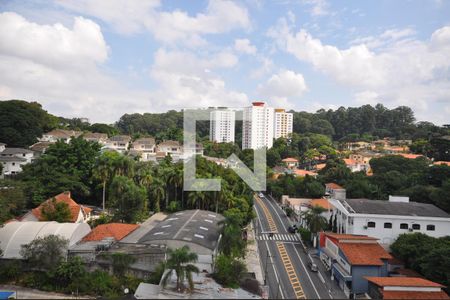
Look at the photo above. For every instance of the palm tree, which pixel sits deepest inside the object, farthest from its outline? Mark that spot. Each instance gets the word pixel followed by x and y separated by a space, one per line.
pixel 158 192
pixel 180 261
pixel 314 219
pixel 144 177
pixel 103 171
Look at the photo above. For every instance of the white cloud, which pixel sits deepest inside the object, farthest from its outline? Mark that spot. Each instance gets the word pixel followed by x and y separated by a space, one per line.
pixel 404 71
pixel 169 27
pixel 186 80
pixel 318 7
pixel 244 46
pixel 282 86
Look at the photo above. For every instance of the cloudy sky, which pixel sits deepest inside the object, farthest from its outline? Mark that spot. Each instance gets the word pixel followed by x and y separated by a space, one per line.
pixel 103 58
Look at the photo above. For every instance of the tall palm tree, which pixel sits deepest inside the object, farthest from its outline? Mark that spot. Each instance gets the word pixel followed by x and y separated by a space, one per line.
pixel 178 182
pixel 144 177
pixel 103 171
pixel 180 261
pixel 158 192
pixel 314 219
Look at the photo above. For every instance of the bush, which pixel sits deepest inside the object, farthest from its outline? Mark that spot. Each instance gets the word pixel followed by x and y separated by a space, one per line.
pixel 289 211
pixel 10 271
pixel 229 271
pixel 305 234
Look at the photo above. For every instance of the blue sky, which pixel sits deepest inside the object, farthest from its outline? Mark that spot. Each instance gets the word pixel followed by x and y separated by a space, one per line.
pixel 103 58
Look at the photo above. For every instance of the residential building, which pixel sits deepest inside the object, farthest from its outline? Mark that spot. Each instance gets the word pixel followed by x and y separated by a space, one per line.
pixel 145 148
pixel 59 135
pixel 282 123
pixel 258 126
pixel 14 235
pixel 14 158
pixel 117 231
pixel 303 173
pixel 404 288
pixel 356 165
pixel 351 258
pixel 352 146
pixel 119 143
pixel 222 125
pixel 442 163
pixel 2 147
pixel 100 138
pixel 188 152
pixel 169 147
pixel 79 213
pixel 290 162
pixel 386 220
pixel 411 156
pixel 39 148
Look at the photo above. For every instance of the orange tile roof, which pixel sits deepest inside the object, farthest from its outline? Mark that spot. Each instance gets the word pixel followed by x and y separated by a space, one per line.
pixel 333 186
pixel 407 272
pixel 414 295
pixel 322 203
pixel 403 281
pixel 290 159
pixel 320 166
pixel 438 163
pixel 116 230
pixel 364 254
pixel 349 236
pixel 63 197
pixel 410 156
pixel 301 172
pixel 349 161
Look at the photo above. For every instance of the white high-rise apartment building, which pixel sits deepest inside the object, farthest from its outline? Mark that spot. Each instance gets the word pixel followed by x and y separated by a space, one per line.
pixel 258 126
pixel 283 123
pixel 221 128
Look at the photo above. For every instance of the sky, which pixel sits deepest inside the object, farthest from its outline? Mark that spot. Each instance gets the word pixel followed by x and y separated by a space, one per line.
pixel 100 59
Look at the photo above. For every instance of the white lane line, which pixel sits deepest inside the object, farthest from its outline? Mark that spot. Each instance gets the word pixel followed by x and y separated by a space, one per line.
pixel 271 260
pixel 307 273
pixel 321 277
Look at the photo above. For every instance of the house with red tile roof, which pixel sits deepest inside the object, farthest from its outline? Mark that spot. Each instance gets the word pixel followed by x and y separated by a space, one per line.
pixel 351 258
pixel 111 230
pixel 290 162
pixel 442 163
pixel 79 213
pixel 303 173
pixel 410 156
pixel 404 288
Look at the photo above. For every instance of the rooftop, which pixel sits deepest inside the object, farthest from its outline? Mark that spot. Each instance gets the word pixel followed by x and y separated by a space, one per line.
pixel 381 207
pixel 410 156
pixel 403 281
pixel 12 151
pixel 12 159
pixel 334 186
pixel 95 135
pixel 195 226
pixel 414 295
pixel 40 146
pixel 438 163
pixel 66 198
pixel 61 133
pixel 145 141
pixel 120 138
pixel 322 203
pixel 290 159
pixel 364 254
pixel 342 237
pixel 302 173
pixel 115 230
pixel 169 143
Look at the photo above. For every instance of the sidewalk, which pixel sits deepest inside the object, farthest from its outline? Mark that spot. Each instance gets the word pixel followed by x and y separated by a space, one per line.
pixel 252 260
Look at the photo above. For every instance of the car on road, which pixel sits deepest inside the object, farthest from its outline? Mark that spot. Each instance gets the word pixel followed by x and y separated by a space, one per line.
pixel 292 229
pixel 313 267
pixel 261 195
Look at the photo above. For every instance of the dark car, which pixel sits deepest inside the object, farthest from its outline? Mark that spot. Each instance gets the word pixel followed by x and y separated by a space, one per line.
pixel 292 229
pixel 312 266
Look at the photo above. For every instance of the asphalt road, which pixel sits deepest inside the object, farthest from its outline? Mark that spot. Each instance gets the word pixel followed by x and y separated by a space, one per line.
pixel 283 256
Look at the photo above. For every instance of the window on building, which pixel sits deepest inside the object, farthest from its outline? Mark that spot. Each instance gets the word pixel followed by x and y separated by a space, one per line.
pixel 416 226
pixel 371 224
pixel 403 226
pixel 387 225
pixel 431 227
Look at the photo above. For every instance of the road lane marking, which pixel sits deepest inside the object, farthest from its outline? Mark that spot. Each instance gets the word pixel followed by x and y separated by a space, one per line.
pixel 292 275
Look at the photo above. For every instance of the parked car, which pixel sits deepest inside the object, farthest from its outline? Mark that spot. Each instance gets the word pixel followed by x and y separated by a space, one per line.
pixel 292 229
pixel 312 266
pixel 261 195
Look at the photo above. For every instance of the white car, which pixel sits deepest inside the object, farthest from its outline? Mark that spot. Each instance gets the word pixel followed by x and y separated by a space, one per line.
pixel 261 195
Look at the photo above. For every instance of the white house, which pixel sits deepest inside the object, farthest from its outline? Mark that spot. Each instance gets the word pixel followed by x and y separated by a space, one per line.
pixel 14 158
pixel 119 143
pixel 100 138
pixel 145 147
pixel 59 134
pixel 170 147
pixel 386 220
pixel 2 147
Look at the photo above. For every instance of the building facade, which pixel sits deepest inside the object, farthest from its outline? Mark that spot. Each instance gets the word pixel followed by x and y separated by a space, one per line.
pixel 222 126
pixel 386 220
pixel 282 123
pixel 258 126
pixel 13 159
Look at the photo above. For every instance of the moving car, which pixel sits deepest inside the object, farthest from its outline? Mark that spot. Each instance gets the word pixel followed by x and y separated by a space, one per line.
pixel 292 229
pixel 261 195
pixel 312 266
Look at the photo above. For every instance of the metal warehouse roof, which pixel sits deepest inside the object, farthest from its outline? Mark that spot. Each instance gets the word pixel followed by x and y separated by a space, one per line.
pixel 195 226
pixel 381 207
pixel 15 234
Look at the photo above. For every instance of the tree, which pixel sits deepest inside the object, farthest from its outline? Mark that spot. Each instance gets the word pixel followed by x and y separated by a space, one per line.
pixel 228 271
pixel 121 262
pixel 21 122
pixel 45 253
pixel 314 219
pixel 410 246
pixel 127 199
pixel 70 271
pixel 104 170
pixel 179 262
pixel 232 243
pixel 12 199
pixel 56 211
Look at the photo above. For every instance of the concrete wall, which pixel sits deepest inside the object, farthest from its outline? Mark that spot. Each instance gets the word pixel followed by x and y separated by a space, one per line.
pixel 359 284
